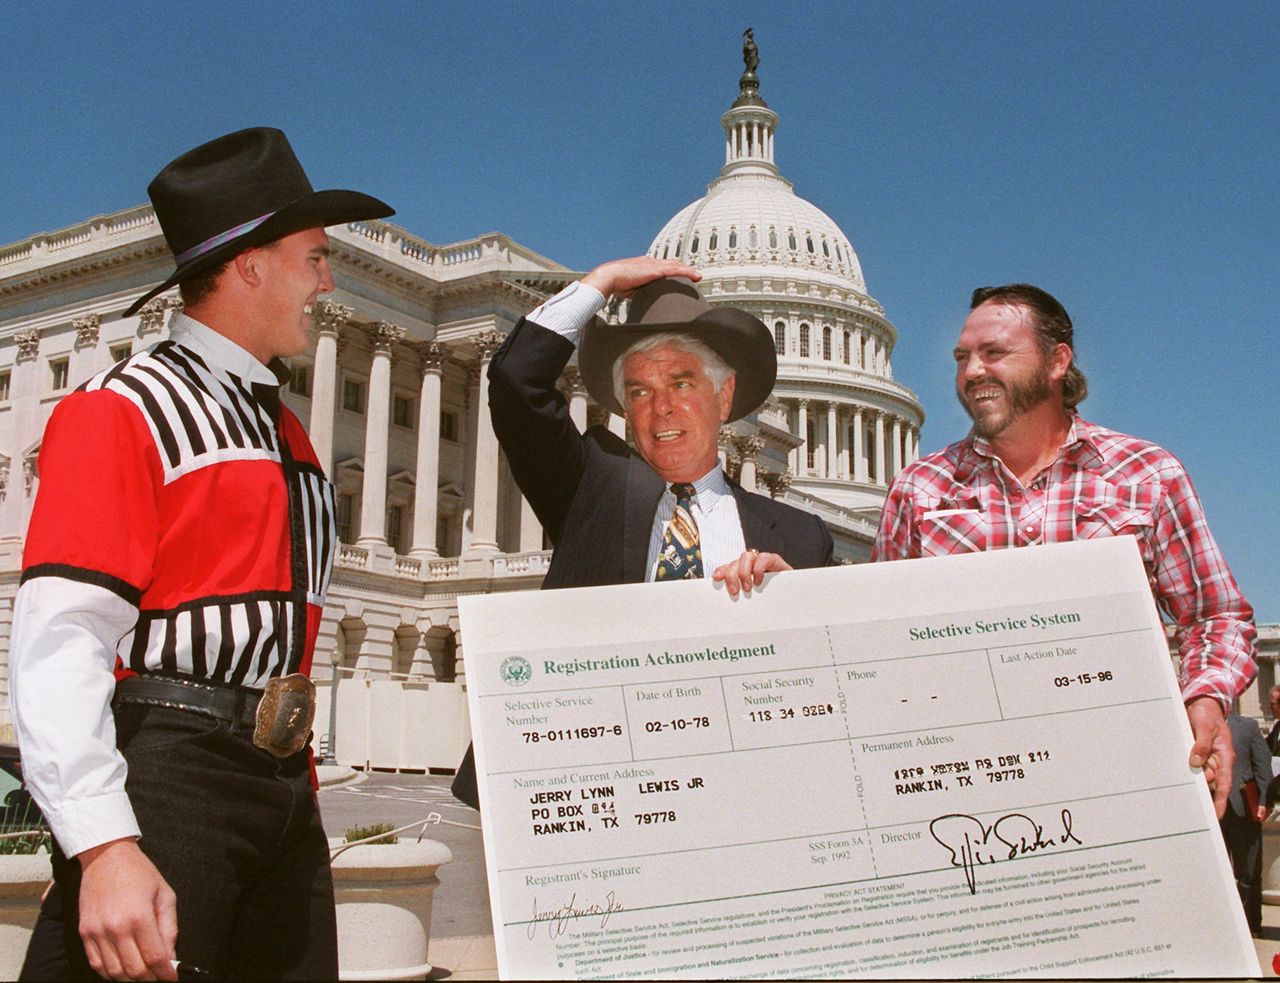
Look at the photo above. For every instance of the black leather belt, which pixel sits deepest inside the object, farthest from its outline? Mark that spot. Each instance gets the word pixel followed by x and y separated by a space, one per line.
pixel 279 718
pixel 237 705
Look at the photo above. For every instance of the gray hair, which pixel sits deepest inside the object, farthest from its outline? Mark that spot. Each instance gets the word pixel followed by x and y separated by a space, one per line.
pixel 716 368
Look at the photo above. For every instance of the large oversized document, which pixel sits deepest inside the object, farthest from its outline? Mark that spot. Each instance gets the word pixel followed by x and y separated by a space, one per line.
pixel 948 767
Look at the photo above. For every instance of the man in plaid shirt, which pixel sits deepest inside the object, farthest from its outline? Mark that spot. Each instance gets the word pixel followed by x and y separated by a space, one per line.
pixel 1032 471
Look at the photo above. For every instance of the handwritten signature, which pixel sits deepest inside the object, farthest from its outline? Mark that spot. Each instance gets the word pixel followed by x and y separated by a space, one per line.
pixel 972 843
pixel 557 920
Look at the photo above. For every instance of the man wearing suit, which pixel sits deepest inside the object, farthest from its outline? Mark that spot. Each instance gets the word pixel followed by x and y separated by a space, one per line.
pixel 677 369
pixel 1273 738
pixel 1242 822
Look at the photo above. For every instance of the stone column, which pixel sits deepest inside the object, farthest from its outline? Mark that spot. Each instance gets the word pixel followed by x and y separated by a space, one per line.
pixel 373 507
pixel 802 463
pixel 530 528
pixel 880 448
pixel 859 455
pixel 426 477
pixel 897 444
pixel 328 318
pixel 484 509
pixel 749 448
pixel 833 450
pixel 577 397
pixel 846 467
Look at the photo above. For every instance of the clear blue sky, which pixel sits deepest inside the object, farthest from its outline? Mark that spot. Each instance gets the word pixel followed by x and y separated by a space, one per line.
pixel 1124 156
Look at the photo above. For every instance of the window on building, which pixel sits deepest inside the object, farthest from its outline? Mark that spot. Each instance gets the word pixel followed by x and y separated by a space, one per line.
pixel 5 381
pixel 393 527
pixel 60 372
pixel 810 438
pixel 752 239
pixel 120 352
pixel 449 425
pixel 693 246
pixel 714 242
pixel 846 347
pixel 808 240
pixel 826 250
pixel 791 241
pixel 666 250
pixel 353 395
pixel 300 380
pixel 733 238
pixel 679 246
pixel 773 237
pixel 444 657
pixel 826 344
pixel 402 411
pixel 804 341
pixel 869 442
pixel 345 506
pixel 780 337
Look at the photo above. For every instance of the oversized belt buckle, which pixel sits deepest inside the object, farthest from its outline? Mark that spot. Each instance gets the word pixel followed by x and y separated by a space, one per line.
pixel 282 725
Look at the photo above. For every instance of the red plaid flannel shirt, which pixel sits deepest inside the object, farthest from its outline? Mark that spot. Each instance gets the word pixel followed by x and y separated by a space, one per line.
pixel 964 500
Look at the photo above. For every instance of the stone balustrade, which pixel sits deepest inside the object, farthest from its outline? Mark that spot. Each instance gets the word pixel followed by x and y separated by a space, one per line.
pixel 533 563
pixel 446 569
pixel 356 557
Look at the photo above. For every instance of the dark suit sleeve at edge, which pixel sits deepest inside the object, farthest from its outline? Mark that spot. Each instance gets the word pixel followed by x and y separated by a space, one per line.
pixel 829 546
pixel 531 420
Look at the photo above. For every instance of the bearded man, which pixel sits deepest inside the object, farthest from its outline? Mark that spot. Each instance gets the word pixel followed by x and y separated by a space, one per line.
pixel 1033 471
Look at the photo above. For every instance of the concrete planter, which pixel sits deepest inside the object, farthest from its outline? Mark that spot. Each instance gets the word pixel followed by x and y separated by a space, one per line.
pixel 1271 863
pixel 23 878
pixel 384 894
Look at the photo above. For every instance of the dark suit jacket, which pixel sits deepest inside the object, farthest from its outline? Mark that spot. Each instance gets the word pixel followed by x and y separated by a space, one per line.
pixel 1253 762
pixel 595 496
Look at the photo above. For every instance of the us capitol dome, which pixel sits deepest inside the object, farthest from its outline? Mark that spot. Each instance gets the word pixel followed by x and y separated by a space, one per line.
pixel 838 427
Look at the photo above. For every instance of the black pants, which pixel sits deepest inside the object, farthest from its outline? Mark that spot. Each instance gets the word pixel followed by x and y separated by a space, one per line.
pixel 237 835
pixel 1244 845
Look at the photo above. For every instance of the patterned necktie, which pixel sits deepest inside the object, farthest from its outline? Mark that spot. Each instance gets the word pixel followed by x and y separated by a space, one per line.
pixel 681 555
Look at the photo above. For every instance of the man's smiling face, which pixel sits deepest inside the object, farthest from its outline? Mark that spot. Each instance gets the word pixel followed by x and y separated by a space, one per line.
pixel 674 411
pixel 1001 370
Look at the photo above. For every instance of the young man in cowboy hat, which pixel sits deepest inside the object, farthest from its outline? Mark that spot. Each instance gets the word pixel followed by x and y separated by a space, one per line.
pixel 677 369
pixel 175 569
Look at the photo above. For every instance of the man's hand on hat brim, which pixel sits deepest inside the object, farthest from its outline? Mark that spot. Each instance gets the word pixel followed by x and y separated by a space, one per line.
pixel 622 277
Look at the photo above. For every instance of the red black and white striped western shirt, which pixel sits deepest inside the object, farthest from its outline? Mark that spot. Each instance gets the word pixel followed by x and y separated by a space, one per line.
pixel 1103 483
pixel 182 524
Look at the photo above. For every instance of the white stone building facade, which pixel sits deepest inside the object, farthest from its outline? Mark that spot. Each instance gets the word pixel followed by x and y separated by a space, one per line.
pixel 394 394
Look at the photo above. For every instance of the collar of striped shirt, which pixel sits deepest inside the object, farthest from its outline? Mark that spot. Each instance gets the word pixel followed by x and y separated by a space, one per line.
pixel 219 350
pixel 709 490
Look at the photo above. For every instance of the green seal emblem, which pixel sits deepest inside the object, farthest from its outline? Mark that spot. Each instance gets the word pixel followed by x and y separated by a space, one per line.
pixel 515 671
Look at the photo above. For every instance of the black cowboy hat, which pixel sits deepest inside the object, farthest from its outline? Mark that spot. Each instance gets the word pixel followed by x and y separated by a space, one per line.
pixel 238 191
pixel 674 304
